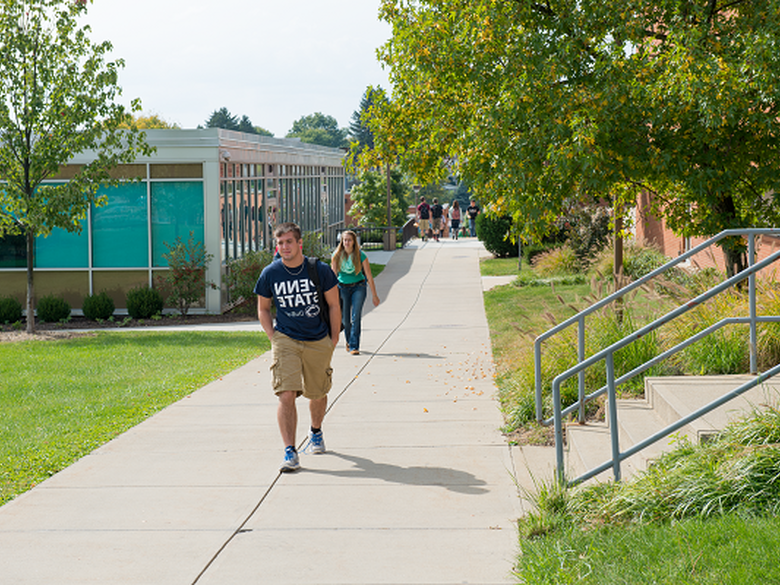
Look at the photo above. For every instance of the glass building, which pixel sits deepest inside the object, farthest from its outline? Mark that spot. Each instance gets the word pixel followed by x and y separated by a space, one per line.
pixel 226 188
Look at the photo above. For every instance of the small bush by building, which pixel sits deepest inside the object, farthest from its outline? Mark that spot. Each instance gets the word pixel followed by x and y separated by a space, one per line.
pixel 144 302
pixel 53 309
pixel 10 310
pixel 98 307
pixel 241 277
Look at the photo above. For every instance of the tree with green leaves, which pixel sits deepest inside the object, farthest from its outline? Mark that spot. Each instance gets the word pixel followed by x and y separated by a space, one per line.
pixel 319 129
pixel 260 131
pixel 149 122
pixel 542 104
pixel 58 100
pixel 369 198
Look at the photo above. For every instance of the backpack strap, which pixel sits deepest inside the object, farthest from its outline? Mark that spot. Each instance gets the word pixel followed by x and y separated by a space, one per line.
pixel 311 264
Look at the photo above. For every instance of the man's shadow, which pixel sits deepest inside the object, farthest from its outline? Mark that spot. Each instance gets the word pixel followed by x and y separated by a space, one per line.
pixel 451 479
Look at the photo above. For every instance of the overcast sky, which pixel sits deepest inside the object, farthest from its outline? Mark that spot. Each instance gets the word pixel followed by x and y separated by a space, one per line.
pixel 273 60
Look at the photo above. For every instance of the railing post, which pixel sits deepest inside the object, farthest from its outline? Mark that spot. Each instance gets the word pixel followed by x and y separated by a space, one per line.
pixel 752 297
pixel 613 418
pixel 556 404
pixel 581 375
pixel 538 379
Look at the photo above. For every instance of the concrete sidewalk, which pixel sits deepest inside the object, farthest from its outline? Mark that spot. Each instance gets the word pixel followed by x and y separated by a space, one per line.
pixel 416 487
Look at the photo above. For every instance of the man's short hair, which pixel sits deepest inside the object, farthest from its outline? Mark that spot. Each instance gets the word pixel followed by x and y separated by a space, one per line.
pixel 287 227
pixel 422 198
pixel 435 200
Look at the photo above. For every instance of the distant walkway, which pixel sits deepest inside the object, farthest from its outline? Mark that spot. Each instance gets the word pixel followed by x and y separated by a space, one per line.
pixel 416 487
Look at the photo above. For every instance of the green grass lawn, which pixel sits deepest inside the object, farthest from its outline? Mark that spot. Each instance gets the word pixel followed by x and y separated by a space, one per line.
pixel 728 549
pixel 62 399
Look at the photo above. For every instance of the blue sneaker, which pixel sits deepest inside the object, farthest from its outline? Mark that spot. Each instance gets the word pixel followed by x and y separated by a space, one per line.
pixel 291 462
pixel 316 443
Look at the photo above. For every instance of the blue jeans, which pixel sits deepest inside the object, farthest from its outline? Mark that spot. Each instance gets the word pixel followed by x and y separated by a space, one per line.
pixel 352 299
pixel 473 226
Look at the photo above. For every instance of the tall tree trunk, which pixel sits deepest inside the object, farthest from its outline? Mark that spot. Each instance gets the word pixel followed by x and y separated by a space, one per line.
pixel 618 258
pixel 30 237
pixel 618 262
pixel 736 260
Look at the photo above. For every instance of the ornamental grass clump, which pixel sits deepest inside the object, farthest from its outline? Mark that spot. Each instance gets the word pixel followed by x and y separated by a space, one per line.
pixel 737 472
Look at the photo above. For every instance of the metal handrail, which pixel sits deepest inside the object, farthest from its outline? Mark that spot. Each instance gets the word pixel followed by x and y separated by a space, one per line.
pixel 608 353
pixel 579 318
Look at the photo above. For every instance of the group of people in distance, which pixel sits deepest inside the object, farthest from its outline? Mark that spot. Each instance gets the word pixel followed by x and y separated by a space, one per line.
pixel 313 301
pixel 429 219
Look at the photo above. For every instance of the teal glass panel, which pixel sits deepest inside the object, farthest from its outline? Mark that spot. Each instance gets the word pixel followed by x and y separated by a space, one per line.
pixel 120 230
pixel 177 210
pixel 62 249
pixel 13 252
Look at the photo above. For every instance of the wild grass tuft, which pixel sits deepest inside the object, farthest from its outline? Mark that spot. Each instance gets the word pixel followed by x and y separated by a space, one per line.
pixel 704 513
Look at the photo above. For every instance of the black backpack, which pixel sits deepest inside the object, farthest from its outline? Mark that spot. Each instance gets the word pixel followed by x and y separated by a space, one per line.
pixel 424 209
pixel 311 264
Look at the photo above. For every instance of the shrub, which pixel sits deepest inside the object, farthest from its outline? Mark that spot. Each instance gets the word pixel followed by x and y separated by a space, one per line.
pixel 494 234
pixel 241 277
pixel 558 262
pixel 10 310
pixel 186 274
pixel 53 309
pixel 587 231
pixel 144 302
pixel 314 246
pixel 99 306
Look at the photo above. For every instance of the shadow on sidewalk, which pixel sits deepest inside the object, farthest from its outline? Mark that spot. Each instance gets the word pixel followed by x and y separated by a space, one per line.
pixel 451 479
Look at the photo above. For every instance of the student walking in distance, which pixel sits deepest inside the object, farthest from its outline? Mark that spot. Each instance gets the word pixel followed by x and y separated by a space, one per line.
pixel 423 217
pixel 436 213
pixel 351 266
pixel 301 342
pixel 454 219
pixel 473 211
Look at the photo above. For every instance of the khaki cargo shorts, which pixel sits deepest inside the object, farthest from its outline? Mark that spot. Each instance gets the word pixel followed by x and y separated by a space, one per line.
pixel 302 367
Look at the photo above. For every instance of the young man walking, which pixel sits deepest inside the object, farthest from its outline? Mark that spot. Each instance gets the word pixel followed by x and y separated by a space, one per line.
pixel 473 212
pixel 301 343
pixel 436 213
pixel 423 217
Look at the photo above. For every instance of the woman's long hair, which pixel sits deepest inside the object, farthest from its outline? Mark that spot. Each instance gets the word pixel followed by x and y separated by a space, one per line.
pixel 340 253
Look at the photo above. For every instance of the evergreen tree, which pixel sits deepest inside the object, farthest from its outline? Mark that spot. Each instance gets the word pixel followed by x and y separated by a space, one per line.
pixel 222 118
pixel 359 130
pixel 245 125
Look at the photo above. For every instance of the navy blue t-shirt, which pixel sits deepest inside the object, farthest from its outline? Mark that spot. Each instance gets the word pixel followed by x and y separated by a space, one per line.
pixel 295 297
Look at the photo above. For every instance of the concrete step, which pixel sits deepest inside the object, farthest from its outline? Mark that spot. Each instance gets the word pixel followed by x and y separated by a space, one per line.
pixel 673 397
pixel 667 400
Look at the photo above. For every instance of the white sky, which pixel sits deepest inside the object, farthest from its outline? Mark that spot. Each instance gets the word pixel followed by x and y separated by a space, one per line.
pixel 273 60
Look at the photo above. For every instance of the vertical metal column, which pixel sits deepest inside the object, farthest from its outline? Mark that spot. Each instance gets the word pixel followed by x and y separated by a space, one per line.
pixel 752 296
pixel 613 418
pixel 581 375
